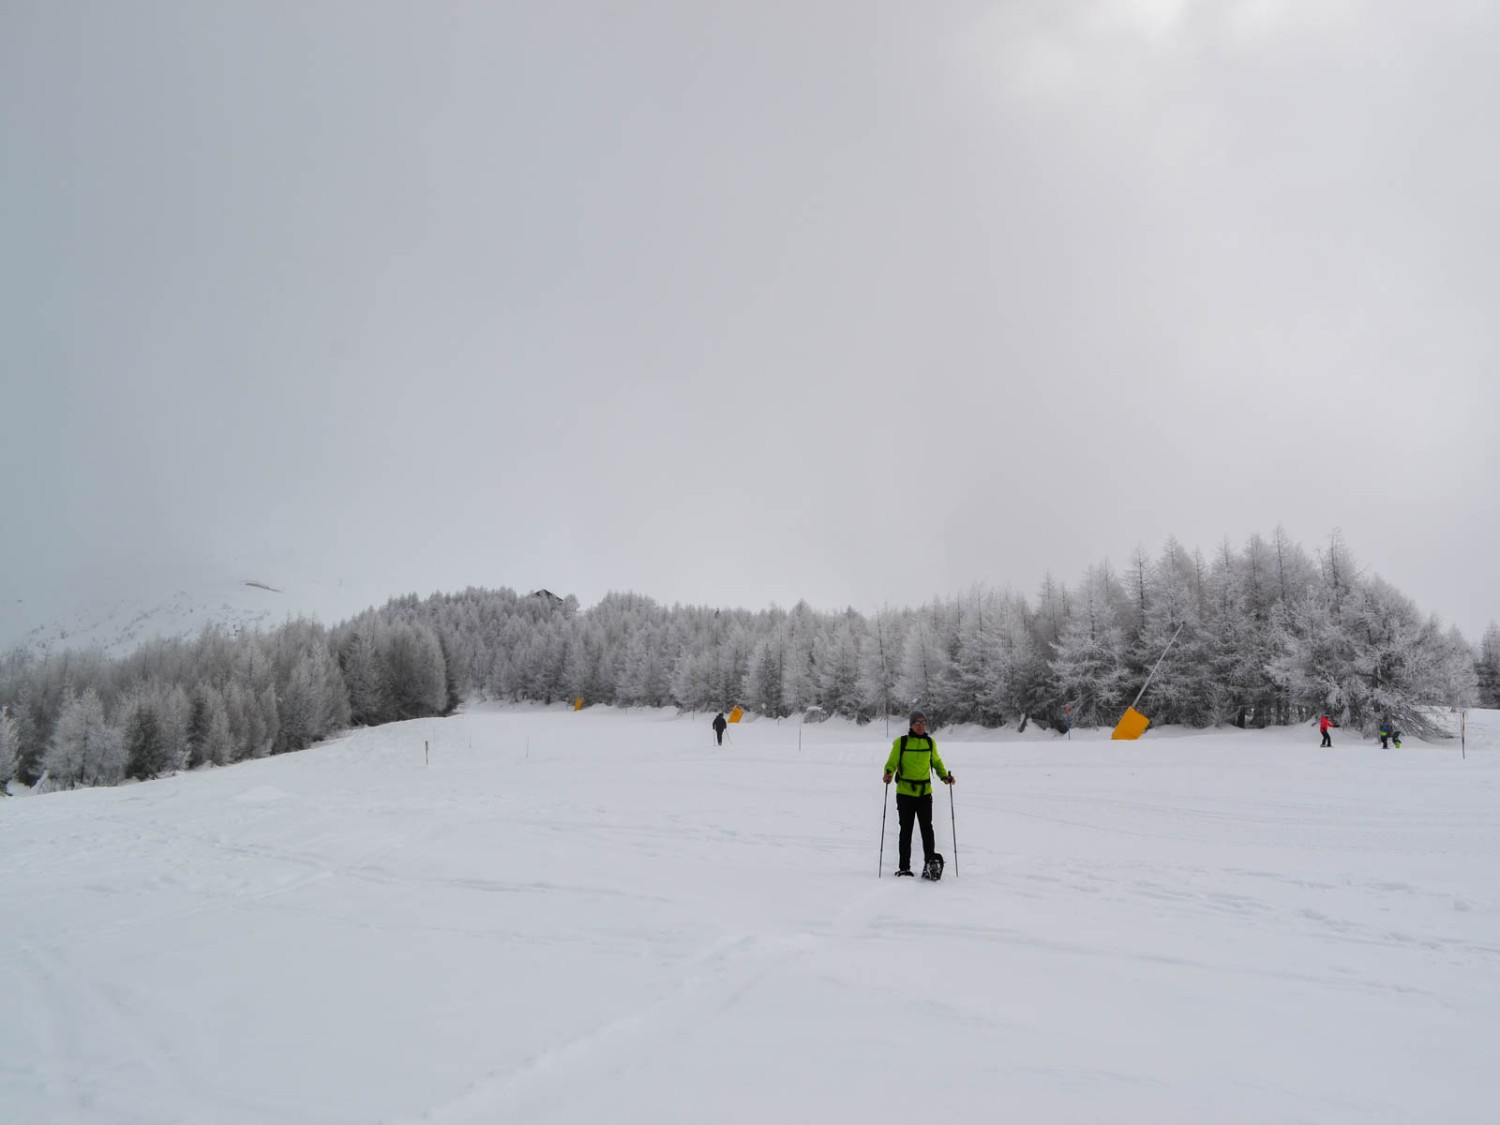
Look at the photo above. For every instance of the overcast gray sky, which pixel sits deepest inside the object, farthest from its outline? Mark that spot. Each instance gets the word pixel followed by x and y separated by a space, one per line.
pixel 860 302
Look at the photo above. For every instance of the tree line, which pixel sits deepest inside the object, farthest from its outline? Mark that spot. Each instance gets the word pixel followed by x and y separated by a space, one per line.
pixel 1267 634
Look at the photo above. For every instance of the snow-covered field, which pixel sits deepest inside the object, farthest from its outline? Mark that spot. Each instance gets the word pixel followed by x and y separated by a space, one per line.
pixel 600 917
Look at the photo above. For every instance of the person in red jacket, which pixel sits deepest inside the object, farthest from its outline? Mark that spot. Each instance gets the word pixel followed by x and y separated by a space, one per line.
pixel 1325 724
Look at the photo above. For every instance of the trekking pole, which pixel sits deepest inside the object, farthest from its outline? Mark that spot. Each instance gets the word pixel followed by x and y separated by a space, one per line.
pixel 884 807
pixel 953 820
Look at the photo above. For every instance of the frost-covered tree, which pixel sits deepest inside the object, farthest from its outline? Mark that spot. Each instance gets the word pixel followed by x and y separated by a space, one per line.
pixel 644 678
pixel 173 713
pixel 1293 573
pixel 34 722
pixel 694 683
pixel 268 722
pixel 880 646
pixel 1269 635
pixel 9 744
pixel 1390 672
pixel 1232 641
pixel 799 667
pixel 981 666
pixel 837 660
pixel 735 662
pixel 1089 659
pixel 1340 572
pixel 1487 668
pixel 147 754
pixel 763 680
pixel 539 664
pixel 1311 663
pixel 197 733
pixel 359 660
pixel 332 694
pixel 212 742
pixel 453 683
pixel 1358 648
pixel 1051 611
pixel 300 706
pixel 1021 689
pixel 85 749
pixel 583 662
pixel 414 676
pixel 1130 600
pixel 1458 676
pixel 246 724
pixel 1033 694
pixel 1172 670
pixel 926 672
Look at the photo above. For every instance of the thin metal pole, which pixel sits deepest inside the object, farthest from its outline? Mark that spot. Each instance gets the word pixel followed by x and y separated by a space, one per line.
pixel 953 820
pixel 884 808
pixel 1154 667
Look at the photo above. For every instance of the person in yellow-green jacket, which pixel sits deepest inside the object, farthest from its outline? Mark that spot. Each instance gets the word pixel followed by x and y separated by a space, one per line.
pixel 914 758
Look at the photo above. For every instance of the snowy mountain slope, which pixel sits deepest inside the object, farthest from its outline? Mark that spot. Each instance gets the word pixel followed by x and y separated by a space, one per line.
pixel 122 621
pixel 579 918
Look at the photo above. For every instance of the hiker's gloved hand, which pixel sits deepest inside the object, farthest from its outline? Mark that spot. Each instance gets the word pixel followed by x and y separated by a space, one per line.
pixel 886 777
pixel 949 779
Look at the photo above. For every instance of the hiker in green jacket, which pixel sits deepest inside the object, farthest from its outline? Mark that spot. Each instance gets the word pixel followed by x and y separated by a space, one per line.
pixel 913 758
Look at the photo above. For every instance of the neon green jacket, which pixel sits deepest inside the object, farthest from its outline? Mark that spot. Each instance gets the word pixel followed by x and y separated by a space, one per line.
pixel 913 769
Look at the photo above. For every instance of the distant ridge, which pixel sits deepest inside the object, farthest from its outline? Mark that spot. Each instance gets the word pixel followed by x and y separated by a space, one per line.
pixel 121 623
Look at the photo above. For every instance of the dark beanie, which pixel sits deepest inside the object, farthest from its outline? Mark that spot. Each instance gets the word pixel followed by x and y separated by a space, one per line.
pixel 915 715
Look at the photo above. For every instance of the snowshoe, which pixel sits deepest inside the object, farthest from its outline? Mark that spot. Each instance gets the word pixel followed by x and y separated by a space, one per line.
pixel 933 869
pixel 905 871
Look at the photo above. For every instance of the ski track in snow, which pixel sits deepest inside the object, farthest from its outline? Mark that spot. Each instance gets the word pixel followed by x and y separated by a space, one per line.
pixel 717 977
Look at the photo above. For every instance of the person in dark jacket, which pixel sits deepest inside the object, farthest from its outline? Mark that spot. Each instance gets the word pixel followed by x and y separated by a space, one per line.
pixel 719 724
pixel 914 758
pixel 1385 735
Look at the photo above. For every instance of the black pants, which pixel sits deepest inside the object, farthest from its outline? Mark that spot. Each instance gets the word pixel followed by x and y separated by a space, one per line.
pixel 1327 741
pixel 909 808
pixel 719 733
